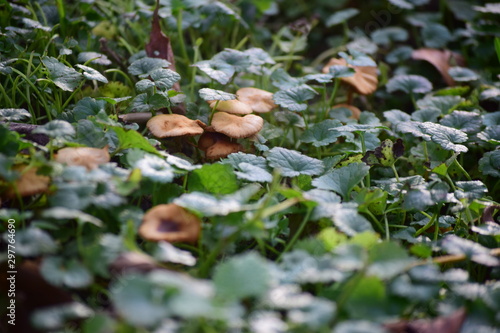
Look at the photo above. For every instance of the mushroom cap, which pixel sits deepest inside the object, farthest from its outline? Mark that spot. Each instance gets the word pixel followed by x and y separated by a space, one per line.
pixel 221 149
pixel 364 81
pixel 208 139
pixel 84 156
pixel 259 100
pixel 356 112
pixel 440 59
pixel 29 183
pixel 232 106
pixel 171 223
pixel 235 126
pixel 168 125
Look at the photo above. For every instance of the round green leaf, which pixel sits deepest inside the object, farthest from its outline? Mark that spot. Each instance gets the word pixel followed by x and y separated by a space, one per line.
pixel 55 129
pixel 291 163
pixel 211 94
pixel 462 74
pixel 294 98
pixel 409 84
pixel 341 16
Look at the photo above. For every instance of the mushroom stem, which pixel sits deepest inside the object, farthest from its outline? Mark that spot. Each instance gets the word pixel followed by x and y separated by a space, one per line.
pixel 332 97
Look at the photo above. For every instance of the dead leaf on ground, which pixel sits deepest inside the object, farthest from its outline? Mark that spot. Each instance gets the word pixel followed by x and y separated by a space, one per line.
pixel 442 60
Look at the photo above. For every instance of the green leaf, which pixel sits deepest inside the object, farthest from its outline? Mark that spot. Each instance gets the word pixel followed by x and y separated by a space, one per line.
pixel 71 273
pixel 164 79
pixel 359 128
pixel 368 300
pixel 385 36
pixel 211 94
pixel 470 190
pixel 347 219
pixel 156 169
pixel 465 121
pixel 61 213
pixel 423 115
pixel 61 75
pixel 358 326
pixel 208 205
pixel 341 16
pixel 443 103
pixel 489 164
pixel 290 118
pixel 253 173
pixel 14 114
pixel 91 74
pixel 97 58
pixel 357 58
pixel 396 116
pixel 242 276
pixel 88 106
pixel 56 129
pixel 240 61
pixel 320 135
pixel 144 66
pixel 489 229
pixel 258 56
pixel 282 80
pixel 409 84
pixel 217 70
pixel 146 102
pixel 236 158
pixel 291 163
pixel 294 98
pixel 436 35
pixel 461 74
pixel 214 178
pixel 54 317
pixel 497 48
pixel 323 199
pixel 399 54
pixel 388 259
pixel 474 251
pixel 408 4
pixel 132 139
pixel 33 242
pixel 342 180
pixel 404 287
pixel 447 137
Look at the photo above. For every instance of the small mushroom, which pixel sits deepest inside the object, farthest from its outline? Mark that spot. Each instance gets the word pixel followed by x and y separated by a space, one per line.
pixel 355 112
pixel 231 106
pixel 171 125
pixel 84 156
pixel 208 139
pixel 29 183
pixel 260 101
pixel 440 59
pixel 222 149
pixel 364 81
pixel 235 126
pixel 171 223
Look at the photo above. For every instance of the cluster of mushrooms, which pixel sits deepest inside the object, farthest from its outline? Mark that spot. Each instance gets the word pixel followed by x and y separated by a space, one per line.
pixel 233 120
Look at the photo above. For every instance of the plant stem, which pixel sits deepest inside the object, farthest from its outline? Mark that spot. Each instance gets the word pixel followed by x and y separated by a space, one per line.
pixel 297 233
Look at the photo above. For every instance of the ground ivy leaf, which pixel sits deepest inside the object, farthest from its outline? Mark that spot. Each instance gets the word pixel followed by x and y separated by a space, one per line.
pixel 253 173
pixel 396 116
pixel 443 103
pixel 489 229
pixel 215 178
pixel 489 164
pixel 446 137
pixel 408 4
pixel 237 59
pixel 290 118
pixel 357 58
pixel 61 75
pixel 474 251
pixel 208 205
pixel 359 128
pixel 33 242
pixel 341 16
pixel 294 98
pixel 14 114
pixel 291 163
pixel 91 74
pixel 211 94
pixel 387 260
pixel 347 219
pixel 236 158
pixel 435 35
pixel 133 139
pixel 461 74
pixel 217 70
pixel 468 122
pixel 56 128
pixel 384 36
pixel 166 252
pixel 71 274
pixel 259 57
pixel 88 106
pixel 144 66
pixel 342 180
pixel 97 58
pixel 242 276
pixel 474 189
pixel 281 79
pixel 409 84
pixel 428 114
pixel 320 135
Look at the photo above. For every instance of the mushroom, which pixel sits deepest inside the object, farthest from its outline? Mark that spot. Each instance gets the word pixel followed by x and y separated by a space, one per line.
pixel 364 81
pixel 355 112
pixel 231 106
pixel 440 59
pixel 29 183
pixel 235 126
pixel 170 125
pixel 217 145
pixel 84 156
pixel 260 101
pixel 171 223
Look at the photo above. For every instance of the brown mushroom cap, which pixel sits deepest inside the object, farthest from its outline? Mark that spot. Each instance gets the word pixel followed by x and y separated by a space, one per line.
pixel 232 106
pixel 259 100
pixel 355 112
pixel 168 125
pixel 221 149
pixel 171 223
pixel 84 156
pixel 235 126
pixel 440 59
pixel 364 81
pixel 29 183
pixel 208 139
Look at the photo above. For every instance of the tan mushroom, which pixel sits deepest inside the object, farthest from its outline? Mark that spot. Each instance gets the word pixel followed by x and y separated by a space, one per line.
pixel 171 223
pixel 260 101
pixel 222 149
pixel 235 126
pixel 171 125
pixel 364 81
pixel 355 112
pixel 208 139
pixel 88 157
pixel 231 106
pixel 29 182
pixel 440 59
